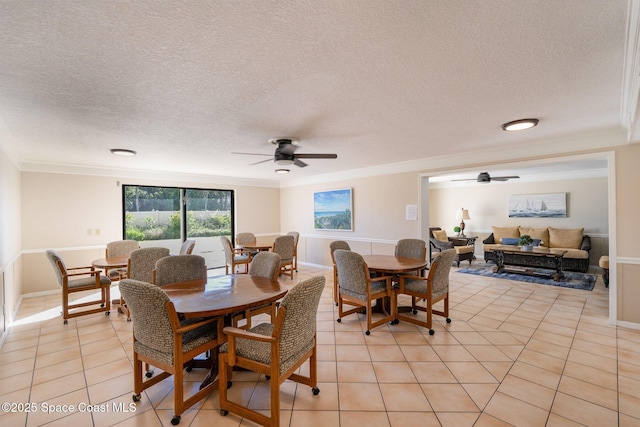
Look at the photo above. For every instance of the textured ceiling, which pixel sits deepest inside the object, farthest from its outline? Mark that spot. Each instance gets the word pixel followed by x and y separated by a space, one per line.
pixel 188 83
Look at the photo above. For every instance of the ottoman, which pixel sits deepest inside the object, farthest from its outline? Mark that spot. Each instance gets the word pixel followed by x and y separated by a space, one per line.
pixel 604 264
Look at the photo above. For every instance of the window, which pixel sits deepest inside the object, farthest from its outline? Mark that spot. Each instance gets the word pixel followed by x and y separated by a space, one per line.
pixel 166 216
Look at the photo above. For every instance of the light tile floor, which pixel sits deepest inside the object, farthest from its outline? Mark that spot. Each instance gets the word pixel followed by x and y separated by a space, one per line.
pixel 515 354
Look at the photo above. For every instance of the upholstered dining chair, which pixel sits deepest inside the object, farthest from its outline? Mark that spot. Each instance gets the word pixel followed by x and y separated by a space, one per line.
pixel 296 237
pixel 336 244
pixel 246 238
pixel 264 264
pixel 140 267
pixel 412 248
pixel 187 247
pixel 431 289
pixel 438 242
pixel 80 279
pixel 120 248
pixel 187 269
pixel 357 288
pixel 161 340
pixel 232 259
pixel 285 247
pixel 275 349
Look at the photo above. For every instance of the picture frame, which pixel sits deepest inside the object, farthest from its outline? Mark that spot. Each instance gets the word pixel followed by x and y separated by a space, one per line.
pixel 547 205
pixel 333 210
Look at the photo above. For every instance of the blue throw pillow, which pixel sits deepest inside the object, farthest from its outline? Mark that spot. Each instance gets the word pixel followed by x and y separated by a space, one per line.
pixel 509 240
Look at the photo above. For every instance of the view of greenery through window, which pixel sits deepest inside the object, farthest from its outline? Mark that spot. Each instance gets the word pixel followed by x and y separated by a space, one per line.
pixel 154 213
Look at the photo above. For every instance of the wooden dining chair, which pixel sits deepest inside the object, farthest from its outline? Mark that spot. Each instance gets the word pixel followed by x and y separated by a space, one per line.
pixel 233 259
pixel 336 244
pixel 187 247
pixel 276 350
pixel 296 237
pixel 284 246
pixel 431 289
pixel 120 248
pixel 159 339
pixel 412 248
pixel 357 288
pixel 140 267
pixel 264 264
pixel 185 269
pixel 80 279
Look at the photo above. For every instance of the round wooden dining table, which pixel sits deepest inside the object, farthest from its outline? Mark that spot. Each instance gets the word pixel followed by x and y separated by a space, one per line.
pixel 221 297
pixel 112 263
pixel 391 264
pixel 224 295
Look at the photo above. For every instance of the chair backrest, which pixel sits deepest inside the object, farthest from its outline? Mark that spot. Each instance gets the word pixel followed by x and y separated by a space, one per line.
pixel 58 264
pixel 180 268
pixel 295 235
pixel 142 262
pixel 121 247
pixel 338 244
pixel 147 304
pixel 285 247
pixel 352 272
pixel 187 247
pixel 439 271
pixel 411 248
pixel 228 248
pixel 265 264
pixel 298 328
pixel 245 238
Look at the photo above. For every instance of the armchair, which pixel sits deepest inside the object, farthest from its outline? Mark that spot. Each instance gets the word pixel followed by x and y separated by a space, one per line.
pixel 120 248
pixel 80 279
pixel 336 244
pixel 161 340
pixel 438 242
pixel 357 288
pixel 285 247
pixel 187 269
pixel 232 258
pixel 275 349
pixel 431 289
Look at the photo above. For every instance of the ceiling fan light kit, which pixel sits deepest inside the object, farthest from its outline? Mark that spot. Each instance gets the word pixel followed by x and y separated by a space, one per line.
pixel 521 124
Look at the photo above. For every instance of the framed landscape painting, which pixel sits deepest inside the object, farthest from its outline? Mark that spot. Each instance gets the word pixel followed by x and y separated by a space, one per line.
pixel 332 210
pixel 552 205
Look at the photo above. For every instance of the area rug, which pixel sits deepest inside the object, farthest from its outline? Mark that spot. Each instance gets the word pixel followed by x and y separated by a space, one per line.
pixel 572 279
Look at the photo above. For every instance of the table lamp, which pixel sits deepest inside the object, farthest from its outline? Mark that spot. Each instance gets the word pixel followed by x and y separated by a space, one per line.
pixel 462 214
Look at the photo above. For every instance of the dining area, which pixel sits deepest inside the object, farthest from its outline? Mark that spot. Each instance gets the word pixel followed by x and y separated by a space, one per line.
pixel 184 317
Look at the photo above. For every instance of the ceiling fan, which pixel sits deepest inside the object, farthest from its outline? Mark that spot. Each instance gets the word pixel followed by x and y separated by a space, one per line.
pixel 285 154
pixel 484 177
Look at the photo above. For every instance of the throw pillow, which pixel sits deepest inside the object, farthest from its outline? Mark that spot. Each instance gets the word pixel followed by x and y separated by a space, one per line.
pixel 440 235
pixel 536 233
pixel 568 238
pixel 501 232
pixel 509 240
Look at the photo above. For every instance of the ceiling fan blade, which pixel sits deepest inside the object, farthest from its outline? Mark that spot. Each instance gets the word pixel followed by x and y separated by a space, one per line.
pixel 504 178
pixel 466 179
pixel 315 156
pixel 261 161
pixel 253 154
pixel 299 163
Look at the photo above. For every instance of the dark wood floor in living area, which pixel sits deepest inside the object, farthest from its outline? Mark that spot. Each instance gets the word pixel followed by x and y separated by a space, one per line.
pixel 515 354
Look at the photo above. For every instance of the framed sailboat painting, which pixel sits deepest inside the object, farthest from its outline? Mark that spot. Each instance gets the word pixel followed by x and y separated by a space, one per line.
pixel 551 205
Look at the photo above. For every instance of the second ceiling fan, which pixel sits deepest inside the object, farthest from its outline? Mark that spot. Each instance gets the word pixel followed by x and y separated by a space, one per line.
pixel 484 177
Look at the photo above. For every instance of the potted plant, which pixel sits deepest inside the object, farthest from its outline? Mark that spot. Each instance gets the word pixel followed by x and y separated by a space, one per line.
pixel 526 242
pixel 457 230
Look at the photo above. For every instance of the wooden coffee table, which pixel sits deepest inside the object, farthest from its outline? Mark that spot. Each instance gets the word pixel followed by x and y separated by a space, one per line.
pixel 544 258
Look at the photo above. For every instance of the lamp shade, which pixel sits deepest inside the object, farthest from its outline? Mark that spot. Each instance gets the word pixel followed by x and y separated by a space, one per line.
pixel 462 214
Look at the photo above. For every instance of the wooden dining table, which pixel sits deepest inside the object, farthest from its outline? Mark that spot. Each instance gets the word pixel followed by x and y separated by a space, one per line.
pixel 111 263
pixel 255 247
pixel 221 297
pixel 393 265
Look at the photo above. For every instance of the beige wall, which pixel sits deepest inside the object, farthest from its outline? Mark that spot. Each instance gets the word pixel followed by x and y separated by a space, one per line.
pixel 628 233
pixel 587 207
pixel 10 239
pixel 378 215
pixel 63 212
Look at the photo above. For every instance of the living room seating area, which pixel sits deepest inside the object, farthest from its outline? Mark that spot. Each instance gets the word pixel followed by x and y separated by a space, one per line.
pixel 573 240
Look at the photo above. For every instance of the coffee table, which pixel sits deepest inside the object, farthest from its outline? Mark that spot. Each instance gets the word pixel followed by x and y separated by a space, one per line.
pixel 538 257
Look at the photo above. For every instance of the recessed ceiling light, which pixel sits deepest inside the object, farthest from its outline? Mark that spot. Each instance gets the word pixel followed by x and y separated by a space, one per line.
pixel 122 152
pixel 282 171
pixel 520 124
